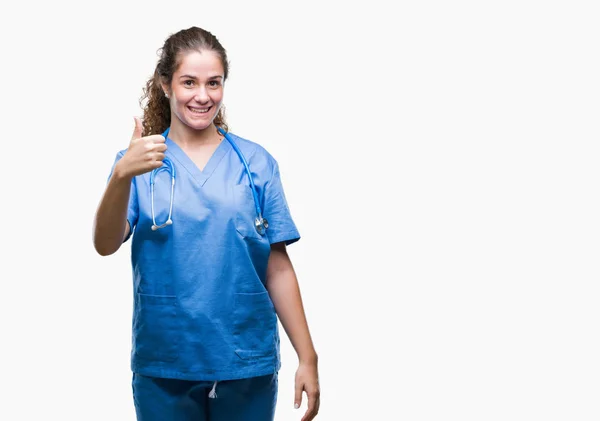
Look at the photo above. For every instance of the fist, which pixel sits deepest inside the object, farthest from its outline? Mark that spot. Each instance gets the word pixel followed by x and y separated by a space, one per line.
pixel 144 154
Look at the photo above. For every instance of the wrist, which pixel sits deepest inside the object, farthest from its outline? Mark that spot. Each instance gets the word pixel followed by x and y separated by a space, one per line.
pixel 309 358
pixel 120 174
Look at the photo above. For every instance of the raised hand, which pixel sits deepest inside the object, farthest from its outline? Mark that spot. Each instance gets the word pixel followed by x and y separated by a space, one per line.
pixel 144 153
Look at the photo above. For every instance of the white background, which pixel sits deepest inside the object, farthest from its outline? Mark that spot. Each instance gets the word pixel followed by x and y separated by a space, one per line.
pixel 440 160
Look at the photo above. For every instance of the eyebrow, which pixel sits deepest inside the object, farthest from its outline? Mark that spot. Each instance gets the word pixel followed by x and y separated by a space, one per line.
pixel 194 77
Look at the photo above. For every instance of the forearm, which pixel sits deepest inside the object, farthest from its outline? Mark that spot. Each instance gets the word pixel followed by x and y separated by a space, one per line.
pixel 283 288
pixel 110 222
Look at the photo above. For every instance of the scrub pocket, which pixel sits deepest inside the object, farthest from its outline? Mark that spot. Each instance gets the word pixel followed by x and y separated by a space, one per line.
pixel 245 211
pixel 255 323
pixel 155 330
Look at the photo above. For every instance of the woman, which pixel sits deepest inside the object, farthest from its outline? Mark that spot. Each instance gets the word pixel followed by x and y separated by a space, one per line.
pixel 210 268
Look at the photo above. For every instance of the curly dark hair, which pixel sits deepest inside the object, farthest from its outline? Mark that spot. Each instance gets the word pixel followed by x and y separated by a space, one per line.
pixel 157 112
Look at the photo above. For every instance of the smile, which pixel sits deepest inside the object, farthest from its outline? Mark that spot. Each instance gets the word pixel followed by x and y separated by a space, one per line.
pixel 199 110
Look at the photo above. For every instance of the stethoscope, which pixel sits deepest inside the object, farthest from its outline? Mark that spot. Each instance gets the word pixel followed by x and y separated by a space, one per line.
pixel 260 223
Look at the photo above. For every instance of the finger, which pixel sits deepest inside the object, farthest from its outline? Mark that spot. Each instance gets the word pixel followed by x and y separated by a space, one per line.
pixel 138 130
pixel 156 164
pixel 156 138
pixel 311 410
pixel 159 147
pixel 159 156
pixel 298 395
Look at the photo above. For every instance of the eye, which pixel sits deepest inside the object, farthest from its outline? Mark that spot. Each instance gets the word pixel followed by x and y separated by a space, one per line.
pixel 214 83
pixel 188 82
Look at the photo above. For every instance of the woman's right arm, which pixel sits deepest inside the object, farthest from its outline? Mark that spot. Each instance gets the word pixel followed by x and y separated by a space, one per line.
pixel 143 155
pixel 110 225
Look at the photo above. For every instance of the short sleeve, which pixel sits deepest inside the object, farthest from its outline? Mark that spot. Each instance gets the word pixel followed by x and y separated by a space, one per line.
pixel 276 211
pixel 132 208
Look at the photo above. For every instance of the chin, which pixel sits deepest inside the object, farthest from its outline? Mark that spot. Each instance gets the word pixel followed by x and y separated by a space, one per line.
pixel 199 126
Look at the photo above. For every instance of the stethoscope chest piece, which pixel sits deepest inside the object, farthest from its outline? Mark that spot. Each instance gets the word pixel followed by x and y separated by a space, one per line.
pixel 261 225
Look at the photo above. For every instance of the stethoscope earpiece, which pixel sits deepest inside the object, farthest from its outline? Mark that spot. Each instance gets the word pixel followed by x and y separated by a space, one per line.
pixel 155 227
pixel 169 167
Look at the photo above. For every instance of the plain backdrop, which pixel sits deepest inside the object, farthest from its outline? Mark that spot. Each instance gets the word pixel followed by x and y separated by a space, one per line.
pixel 440 160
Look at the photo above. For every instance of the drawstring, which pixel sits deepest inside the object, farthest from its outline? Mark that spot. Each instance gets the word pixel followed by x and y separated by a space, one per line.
pixel 213 392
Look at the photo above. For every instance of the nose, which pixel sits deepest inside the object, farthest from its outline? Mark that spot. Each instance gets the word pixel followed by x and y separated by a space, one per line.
pixel 201 95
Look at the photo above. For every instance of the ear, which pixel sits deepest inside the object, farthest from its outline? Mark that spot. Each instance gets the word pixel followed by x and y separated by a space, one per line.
pixel 165 88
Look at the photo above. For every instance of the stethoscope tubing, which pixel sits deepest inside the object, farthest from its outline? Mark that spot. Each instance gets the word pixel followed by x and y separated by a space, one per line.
pixel 261 224
pixel 248 173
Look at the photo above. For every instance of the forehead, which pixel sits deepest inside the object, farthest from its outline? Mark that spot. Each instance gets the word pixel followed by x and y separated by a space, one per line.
pixel 204 63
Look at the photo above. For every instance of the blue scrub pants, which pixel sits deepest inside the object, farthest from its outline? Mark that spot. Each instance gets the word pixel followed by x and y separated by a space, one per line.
pixel 251 399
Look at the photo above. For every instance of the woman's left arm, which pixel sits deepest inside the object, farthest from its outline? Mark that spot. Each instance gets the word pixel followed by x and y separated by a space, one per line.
pixel 284 291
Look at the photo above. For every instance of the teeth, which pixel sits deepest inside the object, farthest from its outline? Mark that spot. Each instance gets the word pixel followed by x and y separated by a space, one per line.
pixel 199 110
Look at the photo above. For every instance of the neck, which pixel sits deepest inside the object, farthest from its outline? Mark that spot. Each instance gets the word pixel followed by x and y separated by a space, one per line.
pixel 187 137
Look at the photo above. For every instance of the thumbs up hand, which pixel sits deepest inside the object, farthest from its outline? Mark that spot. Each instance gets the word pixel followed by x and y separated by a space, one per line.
pixel 144 153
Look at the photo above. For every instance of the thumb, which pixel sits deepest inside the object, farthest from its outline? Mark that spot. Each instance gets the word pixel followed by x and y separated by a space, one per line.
pixel 138 130
pixel 298 395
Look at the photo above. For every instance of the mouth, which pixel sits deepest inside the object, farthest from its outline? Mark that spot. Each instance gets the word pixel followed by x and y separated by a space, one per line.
pixel 199 111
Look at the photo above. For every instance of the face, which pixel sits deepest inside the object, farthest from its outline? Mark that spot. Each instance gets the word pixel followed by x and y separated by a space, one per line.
pixel 196 91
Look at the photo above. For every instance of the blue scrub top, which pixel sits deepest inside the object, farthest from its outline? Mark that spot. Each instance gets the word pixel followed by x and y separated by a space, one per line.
pixel 201 308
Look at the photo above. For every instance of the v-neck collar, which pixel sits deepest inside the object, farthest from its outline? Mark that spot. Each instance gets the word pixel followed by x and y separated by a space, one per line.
pixel 201 176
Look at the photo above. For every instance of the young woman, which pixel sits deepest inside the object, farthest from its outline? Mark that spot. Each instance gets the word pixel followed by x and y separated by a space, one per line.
pixel 210 224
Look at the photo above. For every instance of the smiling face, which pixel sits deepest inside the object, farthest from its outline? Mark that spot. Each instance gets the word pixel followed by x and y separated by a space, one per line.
pixel 196 91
